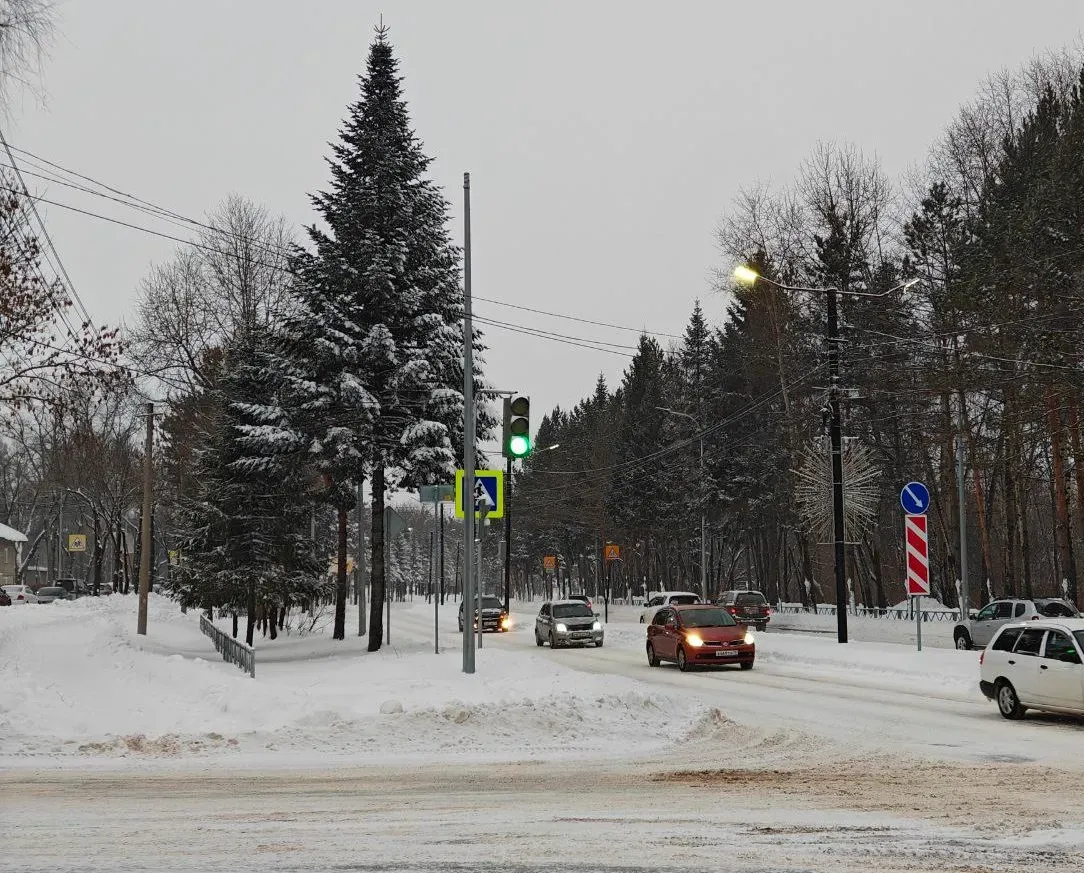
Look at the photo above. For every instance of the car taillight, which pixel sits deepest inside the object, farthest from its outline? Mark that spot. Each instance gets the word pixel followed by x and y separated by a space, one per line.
pixel 982 655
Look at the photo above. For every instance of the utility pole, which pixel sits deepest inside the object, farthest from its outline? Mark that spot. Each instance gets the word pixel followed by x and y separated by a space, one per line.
pixel 835 435
pixel 961 473
pixel 508 536
pixel 145 527
pixel 442 553
pixel 468 442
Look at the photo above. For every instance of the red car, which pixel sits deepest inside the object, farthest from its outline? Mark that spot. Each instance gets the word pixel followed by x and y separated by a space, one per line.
pixel 697 634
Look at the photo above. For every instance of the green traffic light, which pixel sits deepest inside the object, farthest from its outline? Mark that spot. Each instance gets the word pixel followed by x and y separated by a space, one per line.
pixel 519 446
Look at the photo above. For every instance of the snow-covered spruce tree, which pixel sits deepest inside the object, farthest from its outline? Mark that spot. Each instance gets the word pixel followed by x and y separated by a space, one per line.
pixel 244 543
pixel 381 296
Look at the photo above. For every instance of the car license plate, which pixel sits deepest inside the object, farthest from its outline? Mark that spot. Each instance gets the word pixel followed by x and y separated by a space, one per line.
pixel 729 654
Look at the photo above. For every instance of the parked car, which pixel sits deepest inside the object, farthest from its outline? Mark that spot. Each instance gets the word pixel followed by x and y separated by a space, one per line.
pixel 699 634
pixel 51 593
pixel 750 607
pixel 5 598
pixel 659 599
pixel 73 587
pixel 20 594
pixel 494 618
pixel 1037 664
pixel 583 598
pixel 978 631
pixel 567 623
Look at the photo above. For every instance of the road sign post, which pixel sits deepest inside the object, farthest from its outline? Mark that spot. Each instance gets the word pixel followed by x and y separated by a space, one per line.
pixel 915 500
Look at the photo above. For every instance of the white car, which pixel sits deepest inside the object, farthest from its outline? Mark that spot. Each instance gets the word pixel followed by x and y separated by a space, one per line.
pixel 658 599
pixel 1037 664
pixel 20 595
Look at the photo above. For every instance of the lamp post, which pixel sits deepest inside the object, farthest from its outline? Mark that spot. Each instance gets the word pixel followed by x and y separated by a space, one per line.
pixel 748 276
pixel 703 510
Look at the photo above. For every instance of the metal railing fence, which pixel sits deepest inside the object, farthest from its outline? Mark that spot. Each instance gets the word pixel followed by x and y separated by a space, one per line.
pixel 232 651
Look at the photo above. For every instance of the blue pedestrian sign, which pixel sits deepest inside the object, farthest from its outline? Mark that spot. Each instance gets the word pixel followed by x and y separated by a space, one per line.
pixel 915 498
pixel 488 493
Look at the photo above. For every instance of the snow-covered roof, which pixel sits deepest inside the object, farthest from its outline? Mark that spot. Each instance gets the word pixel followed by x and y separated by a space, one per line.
pixel 11 535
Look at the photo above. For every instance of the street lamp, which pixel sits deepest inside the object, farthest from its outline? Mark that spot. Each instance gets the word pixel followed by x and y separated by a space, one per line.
pixel 703 508
pixel 748 276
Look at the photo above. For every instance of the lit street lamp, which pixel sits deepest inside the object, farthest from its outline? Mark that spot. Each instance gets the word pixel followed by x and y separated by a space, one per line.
pixel 703 508
pixel 748 276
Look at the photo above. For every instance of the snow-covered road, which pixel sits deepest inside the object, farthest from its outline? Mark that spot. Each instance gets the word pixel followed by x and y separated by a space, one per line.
pixel 126 753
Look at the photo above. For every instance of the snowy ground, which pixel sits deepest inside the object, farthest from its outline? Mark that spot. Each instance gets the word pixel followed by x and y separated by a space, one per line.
pixel 148 753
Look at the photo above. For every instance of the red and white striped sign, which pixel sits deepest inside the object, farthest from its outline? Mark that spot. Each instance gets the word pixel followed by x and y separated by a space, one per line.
pixel 918 555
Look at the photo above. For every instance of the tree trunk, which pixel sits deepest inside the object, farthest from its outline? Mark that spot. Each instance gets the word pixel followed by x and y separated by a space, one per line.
pixel 1064 534
pixel 99 555
pixel 376 574
pixel 341 589
pixel 234 615
pixel 250 618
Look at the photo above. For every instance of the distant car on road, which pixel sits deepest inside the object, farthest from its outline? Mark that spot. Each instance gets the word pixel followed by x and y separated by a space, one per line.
pixel 748 606
pixel 698 635
pixel 51 593
pixel 583 598
pixel 1037 664
pixel 567 623
pixel 978 631
pixel 494 618
pixel 659 599
pixel 20 594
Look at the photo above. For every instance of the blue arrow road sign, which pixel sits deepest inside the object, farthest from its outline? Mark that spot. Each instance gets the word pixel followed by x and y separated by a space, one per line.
pixel 915 498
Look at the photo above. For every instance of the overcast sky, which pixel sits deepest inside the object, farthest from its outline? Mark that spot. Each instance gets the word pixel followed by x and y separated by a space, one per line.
pixel 604 140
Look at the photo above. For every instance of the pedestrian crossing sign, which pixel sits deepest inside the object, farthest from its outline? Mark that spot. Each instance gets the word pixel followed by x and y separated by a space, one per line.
pixel 488 494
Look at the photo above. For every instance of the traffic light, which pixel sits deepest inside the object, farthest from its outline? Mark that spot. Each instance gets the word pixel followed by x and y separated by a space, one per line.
pixel 517 427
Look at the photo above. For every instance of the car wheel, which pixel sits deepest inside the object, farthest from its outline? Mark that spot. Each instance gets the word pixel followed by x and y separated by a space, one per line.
pixel 682 661
pixel 652 658
pixel 538 641
pixel 598 644
pixel 747 665
pixel 963 640
pixel 1008 703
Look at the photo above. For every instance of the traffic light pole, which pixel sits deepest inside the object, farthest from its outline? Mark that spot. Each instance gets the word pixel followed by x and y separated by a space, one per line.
pixel 468 441
pixel 508 536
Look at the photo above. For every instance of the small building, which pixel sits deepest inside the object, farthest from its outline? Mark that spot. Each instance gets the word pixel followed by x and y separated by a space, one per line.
pixel 11 553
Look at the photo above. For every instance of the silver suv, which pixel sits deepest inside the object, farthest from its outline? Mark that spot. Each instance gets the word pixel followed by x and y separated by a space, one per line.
pixel 978 631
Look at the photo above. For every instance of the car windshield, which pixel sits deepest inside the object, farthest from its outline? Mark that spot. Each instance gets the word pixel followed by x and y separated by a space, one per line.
pixel 754 599
pixel 710 616
pixel 572 610
pixel 492 603
pixel 684 598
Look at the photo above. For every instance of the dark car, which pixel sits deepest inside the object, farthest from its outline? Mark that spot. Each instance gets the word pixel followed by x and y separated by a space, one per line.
pixel 5 598
pixel 583 598
pixel 52 592
pixel 750 607
pixel 494 618
pixel 698 635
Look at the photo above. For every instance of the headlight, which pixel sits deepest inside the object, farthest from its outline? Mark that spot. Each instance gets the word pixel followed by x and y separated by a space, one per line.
pixel 597 626
pixel 506 622
pixel 561 628
pixel 749 638
pixel 694 640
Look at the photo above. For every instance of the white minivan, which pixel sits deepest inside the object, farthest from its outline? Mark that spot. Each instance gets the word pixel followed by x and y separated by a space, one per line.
pixel 658 599
pixel 1035 665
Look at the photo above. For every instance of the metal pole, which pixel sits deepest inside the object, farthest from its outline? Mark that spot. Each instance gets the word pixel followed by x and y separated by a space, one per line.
pixel 145 526
pixel 609 587
pixel 468 439
pixel 442 554
pixel 918 620
pixel 387 587
pixel 836 437
pixel 703 530
pixel 961 474
pixel 478 579
pixel 359 565
pixel 508 537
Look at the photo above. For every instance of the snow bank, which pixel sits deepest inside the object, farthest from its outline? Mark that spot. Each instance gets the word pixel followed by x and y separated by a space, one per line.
pixel 77 681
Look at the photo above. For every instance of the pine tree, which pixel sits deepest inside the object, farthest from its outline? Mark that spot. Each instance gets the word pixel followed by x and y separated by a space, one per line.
pixel 381 298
